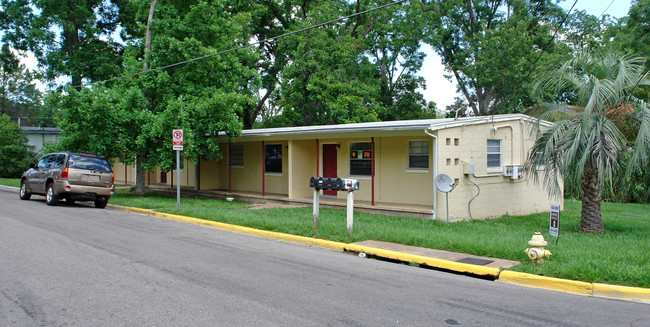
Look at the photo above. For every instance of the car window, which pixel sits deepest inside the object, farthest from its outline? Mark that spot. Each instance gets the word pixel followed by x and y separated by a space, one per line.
pixel 89 162
pixel 44 162
pixel 57 161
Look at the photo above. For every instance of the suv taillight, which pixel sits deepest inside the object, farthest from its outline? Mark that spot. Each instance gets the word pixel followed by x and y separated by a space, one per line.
pixel 64 173
pixel 113 178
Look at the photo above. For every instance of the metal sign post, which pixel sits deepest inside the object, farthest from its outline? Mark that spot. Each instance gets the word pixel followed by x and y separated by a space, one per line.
pixel 177 144
pixel 554 222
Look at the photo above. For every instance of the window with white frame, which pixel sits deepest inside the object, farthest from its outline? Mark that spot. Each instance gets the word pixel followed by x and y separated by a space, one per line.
pixel 237 155
pixel 360 159
pixel 494 154
pixel 273 158
pixel 418 154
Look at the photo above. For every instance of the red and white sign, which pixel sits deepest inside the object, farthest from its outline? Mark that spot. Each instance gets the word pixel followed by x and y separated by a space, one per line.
pixel 177 139
pixel 177 136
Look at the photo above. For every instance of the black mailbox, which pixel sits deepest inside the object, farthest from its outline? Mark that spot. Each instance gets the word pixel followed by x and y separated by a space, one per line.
pixel 330 184
pixel 317 183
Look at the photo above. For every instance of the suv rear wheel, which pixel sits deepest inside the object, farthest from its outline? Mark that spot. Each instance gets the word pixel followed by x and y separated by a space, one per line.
pixel 50 198
pixel 24 195
pixel 101 202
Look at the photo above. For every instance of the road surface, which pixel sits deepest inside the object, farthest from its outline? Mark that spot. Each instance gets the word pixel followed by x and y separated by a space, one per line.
pixel 78 265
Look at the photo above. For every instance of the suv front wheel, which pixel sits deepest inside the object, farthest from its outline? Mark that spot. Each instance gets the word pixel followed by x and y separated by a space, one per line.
pixel 24 195
pixel 50 198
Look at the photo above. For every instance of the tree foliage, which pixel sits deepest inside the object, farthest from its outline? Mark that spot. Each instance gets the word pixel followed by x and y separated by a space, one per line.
pixel 134 117
pixel 15 156
pixel 19 96
pixel 492 48
pixel 359 69
pixel 70 38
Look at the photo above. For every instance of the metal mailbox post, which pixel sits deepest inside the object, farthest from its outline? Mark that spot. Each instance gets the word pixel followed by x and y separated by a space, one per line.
pixel 334 184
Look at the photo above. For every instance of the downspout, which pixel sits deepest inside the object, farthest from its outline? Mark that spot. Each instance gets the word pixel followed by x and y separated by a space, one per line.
pixel 372 173
pixel 435 172
pixel 229 168
pixel 317 156
pixel 512 141
pixel 263 168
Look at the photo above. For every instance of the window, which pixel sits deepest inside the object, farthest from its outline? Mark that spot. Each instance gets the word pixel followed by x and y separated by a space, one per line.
pixel 45 161
pixel 237 155
pixel 418 155
pixel 494 154
pixel 91 162
pixel 273 158
pixel 59 161
pixel 360 159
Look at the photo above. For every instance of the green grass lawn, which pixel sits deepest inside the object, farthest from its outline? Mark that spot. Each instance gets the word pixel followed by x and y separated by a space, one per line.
pixel 621 256
pixel 15 182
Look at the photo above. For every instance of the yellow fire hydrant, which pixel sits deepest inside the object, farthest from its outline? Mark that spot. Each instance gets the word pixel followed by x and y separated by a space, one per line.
pixel 537 253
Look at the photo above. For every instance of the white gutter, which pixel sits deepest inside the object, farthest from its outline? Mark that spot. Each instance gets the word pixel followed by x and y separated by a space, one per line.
pixel 435 172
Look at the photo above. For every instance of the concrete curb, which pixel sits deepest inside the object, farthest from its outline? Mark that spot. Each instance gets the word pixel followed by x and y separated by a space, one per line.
pixel 503 276
pixel 548 283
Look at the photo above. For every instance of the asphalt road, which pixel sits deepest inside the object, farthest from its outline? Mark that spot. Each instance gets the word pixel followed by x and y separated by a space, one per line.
pixel 77 265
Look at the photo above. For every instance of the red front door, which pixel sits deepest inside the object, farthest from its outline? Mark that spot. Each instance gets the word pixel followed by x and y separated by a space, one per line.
pixel 329 164
pixel 163 177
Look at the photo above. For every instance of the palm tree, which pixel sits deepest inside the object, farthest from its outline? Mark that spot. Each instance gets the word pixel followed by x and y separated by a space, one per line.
pixel 588 141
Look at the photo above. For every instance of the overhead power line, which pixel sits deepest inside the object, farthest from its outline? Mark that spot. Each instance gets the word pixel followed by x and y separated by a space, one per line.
pixel 242 46
pixel 530 70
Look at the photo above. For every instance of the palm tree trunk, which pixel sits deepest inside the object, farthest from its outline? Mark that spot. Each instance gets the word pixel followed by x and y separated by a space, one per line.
pixel 591 221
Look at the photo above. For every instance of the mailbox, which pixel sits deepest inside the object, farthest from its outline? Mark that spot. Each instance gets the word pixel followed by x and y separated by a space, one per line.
pixel 349 184
pixel 334 184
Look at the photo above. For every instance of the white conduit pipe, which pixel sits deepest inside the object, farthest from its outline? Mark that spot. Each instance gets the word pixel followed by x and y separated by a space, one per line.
pixel 435 172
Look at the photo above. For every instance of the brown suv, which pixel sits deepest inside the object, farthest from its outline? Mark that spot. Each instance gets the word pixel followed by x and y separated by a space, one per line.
pixel 69 176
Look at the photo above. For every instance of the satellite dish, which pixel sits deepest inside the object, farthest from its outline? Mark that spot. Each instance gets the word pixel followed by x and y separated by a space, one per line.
pixel 444 183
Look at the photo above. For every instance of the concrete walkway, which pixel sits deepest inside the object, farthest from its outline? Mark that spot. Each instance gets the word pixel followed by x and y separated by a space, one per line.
pixel 440 254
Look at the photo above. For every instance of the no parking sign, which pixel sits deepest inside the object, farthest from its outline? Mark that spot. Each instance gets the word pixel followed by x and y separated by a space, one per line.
pixel 177 139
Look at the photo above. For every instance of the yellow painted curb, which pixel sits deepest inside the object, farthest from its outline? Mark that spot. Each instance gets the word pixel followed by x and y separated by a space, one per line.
pixel 549 283
pixel 431 262
pixel 139 210
pixel 505 276
pixel 330 245
pixel 621 292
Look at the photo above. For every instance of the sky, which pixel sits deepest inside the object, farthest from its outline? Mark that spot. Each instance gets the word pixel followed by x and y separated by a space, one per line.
pixel 442 91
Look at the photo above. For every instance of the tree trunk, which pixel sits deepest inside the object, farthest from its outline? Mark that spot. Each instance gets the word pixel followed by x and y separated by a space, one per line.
pixel 591 222
pixel 140 159
pixel 147 39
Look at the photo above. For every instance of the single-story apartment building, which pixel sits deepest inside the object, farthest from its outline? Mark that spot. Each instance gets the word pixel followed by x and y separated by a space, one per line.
pixel 395 162
pixel 37 136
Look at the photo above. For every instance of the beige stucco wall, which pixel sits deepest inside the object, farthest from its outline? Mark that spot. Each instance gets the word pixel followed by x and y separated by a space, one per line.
pixel 209 174
pixel 499 195
pixel 302 165
pixel 248 178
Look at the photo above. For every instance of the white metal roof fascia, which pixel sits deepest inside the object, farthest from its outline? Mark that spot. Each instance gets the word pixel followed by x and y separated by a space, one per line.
pixel 466 121
pixel 401 125
pixel 386 126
